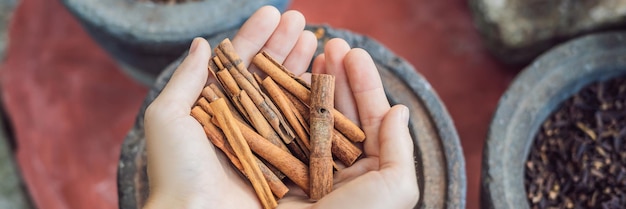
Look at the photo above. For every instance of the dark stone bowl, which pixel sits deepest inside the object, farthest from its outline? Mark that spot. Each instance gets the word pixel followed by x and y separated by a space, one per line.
pixel 531 98
pixel 145 37
pixel 438 155
pixel 518 31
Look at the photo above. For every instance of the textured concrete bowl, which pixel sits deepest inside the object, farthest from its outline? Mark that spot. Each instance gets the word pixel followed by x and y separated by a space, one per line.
pixel 531 98
pixel 145 37
pixel 438 155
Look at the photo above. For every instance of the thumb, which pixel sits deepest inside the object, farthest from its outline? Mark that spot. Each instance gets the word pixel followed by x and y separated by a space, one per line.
pixel 396 154
pixel 395 142
pixel 182 90
pixel 395 184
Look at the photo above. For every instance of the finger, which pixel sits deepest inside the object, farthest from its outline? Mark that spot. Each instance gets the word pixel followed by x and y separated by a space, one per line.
pixel 369 95
pixel 170 110
pixel 255 32
pixel 306 77
pixel 285 36
pixel 302 53
pixel 182 90
pixel 319 64
pixel 336 50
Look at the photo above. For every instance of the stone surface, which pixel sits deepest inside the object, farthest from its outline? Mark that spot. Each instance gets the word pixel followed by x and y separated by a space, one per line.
pixel 6 12
pixel 144 36
pixel 517 31
pixel 12 193
pixel 439 160
pixel 530 99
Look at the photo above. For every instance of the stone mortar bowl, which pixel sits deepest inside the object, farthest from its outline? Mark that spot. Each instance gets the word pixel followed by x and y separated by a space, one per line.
pixel 531 99
pixel 517 31
pixel 438 155
pixel 144 37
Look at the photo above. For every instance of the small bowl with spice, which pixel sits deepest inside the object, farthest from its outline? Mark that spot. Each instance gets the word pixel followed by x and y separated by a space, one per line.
pixel 557 137
pixel 440 167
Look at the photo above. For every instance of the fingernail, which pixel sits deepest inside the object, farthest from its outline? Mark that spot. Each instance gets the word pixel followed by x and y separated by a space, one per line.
pixel 194 45
pixel 404 113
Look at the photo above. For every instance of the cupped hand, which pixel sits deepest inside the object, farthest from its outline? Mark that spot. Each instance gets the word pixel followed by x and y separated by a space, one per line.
pixel 186 171
pixel 385 177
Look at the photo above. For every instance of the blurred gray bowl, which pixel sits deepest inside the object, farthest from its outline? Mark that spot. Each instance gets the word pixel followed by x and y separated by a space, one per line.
pixel 144 37
pixel 531 98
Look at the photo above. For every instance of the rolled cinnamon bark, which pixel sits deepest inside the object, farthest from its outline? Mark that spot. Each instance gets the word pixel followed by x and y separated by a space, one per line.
pixel 321 126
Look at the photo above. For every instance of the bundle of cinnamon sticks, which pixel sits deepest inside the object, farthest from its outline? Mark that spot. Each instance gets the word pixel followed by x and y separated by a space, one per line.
pixel 276 127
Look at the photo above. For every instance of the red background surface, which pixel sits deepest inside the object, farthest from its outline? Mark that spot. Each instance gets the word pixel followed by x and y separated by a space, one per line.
pixel 71 106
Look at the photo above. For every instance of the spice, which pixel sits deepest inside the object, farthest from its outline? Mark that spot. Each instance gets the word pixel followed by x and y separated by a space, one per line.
pixel 218 139
pixel 321 126
pixel 296 121
pixel 578 159
pixel 288 81
pixel 242 150
pixel 276 126
pixel 342 148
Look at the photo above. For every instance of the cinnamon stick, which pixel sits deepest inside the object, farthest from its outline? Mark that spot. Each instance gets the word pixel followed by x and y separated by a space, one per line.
pixel 263 105
pixel 246 81
pixel 217 138
pixel 258 121
pixel 321 126
pixel 248 108
pixel 226 47
pixel 293 168
pixel 348 128
pixel 213 67
pixel 223 59
pixel 212 92
pixel 234 136
pixel 289 82
pixel 218 63
pixel 278 188
pixel 204 104
pixel 232 90
pixel 298 147
pixel 209 94
pixel 215 135
pixel 264 62
pixel 342 148
pixel 291 115
pixel 226 53
pixel 228 83
pixel 267 98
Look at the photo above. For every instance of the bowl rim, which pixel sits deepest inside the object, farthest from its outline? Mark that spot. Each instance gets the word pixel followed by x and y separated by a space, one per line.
pixel 533 95
pixel 146 21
